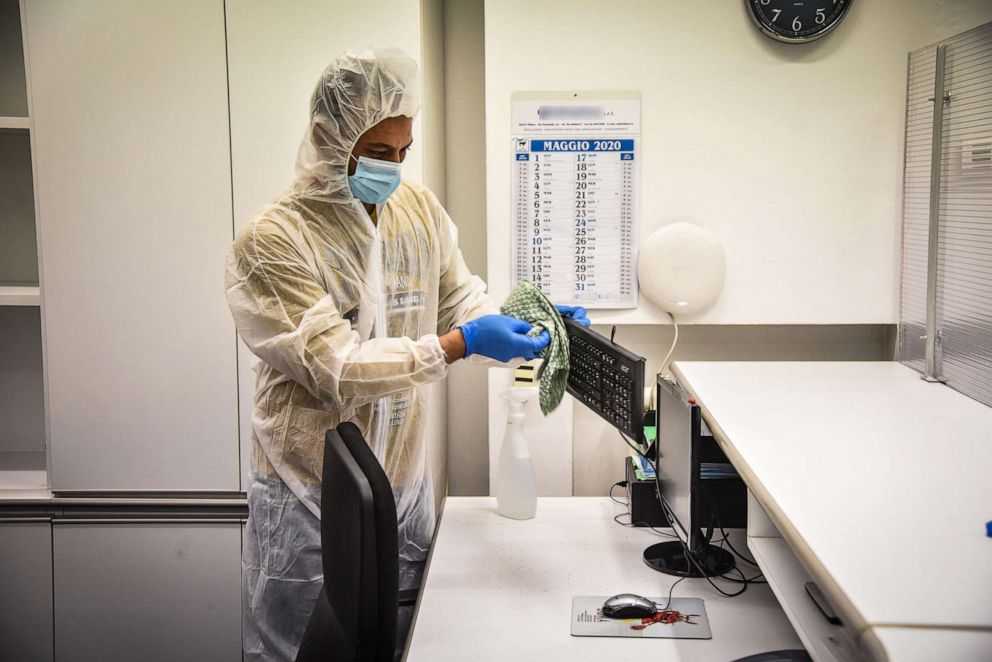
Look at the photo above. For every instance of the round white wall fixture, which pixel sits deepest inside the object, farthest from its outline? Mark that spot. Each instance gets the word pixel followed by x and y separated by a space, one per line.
pixel 680 268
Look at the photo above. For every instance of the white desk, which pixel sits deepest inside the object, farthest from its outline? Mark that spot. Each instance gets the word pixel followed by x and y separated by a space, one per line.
pixel 881 484
pixel 500 589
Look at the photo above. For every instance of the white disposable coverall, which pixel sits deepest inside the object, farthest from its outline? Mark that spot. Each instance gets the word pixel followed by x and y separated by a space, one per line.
pixel 345 315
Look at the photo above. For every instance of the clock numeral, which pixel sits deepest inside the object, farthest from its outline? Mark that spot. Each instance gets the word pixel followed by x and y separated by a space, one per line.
pixel 796 21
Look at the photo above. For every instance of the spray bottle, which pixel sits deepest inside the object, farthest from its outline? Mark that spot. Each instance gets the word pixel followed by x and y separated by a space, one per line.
pixel 516 486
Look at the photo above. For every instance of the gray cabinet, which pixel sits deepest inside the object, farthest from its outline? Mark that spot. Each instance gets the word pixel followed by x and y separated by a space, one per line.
pixel 147 591
pixel 25 591
pixel 133 178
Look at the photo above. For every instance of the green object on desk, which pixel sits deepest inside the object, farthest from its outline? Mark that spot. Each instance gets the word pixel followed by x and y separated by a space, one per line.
pixel 650 432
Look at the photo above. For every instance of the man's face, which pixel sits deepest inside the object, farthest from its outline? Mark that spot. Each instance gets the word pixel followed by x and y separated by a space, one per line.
pixel 388 140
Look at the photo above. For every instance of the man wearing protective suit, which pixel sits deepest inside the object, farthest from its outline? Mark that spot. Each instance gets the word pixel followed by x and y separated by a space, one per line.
pixel 352 292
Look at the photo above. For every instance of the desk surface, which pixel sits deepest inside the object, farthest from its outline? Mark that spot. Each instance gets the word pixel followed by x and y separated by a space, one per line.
pixel 501 589
pixel 879 480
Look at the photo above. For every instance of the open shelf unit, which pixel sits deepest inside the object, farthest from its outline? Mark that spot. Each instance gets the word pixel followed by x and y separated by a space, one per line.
pixel 23 442
pixel 20 295
pixel 15 123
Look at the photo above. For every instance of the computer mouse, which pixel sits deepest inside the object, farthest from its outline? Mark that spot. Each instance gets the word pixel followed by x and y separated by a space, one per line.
pixel 629 605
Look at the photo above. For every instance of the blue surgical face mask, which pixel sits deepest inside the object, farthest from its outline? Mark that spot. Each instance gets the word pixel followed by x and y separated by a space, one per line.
pixel 374 180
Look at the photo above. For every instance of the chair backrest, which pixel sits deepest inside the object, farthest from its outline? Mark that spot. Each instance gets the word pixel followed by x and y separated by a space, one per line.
pixel 387 539
pixel 355 616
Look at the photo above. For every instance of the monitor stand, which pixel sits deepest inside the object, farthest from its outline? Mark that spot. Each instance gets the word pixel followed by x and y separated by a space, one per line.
pixel 669 558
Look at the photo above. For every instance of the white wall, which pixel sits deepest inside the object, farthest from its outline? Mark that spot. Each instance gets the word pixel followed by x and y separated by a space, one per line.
pixel 432 153
pixel 275 56
pixel 465 126
pixel 432 116
pixel 791 154
pixel 465 200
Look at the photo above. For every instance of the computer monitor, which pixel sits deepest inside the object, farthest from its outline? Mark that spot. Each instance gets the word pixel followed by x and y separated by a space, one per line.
pixel 678 453
pixel 609 380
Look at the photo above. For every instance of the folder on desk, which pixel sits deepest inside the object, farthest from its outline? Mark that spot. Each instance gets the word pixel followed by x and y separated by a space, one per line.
pixel 642 468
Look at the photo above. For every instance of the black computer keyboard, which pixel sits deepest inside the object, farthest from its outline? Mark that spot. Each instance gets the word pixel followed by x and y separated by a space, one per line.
pixel 606 378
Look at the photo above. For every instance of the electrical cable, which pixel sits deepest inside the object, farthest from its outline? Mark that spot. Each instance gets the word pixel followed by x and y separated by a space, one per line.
pixel 640 525
pixel 671 589
pixel 725 540
pixel 616 518
pixel 715 514
pixel 619 483
pixel 670 515
pixel 671 350
pixel 739 555
pixel 672 520
pixel 664 363
pixel 746 581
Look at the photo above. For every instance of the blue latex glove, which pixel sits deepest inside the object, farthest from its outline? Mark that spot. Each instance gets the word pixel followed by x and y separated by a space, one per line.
pixel 502 338
pixel 577 313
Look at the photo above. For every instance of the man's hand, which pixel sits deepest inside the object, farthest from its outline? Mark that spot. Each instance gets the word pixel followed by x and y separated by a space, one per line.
pixel 502 338
pixel 577 313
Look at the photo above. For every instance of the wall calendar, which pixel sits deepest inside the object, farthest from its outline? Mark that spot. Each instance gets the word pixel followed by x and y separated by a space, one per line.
pixel 575 195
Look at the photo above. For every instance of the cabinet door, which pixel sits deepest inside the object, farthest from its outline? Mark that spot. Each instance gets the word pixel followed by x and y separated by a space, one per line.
pixel 147 591
pixel 134 207
pixel 25 591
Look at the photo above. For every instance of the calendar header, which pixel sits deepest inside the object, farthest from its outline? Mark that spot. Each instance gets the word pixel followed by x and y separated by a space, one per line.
pixel 582 145
pixel 577 114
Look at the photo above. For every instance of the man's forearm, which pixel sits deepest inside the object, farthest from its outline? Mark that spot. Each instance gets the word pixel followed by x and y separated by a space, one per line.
pixel 453 344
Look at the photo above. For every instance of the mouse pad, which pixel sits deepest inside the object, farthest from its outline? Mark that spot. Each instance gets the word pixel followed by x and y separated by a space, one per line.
pixel 684 619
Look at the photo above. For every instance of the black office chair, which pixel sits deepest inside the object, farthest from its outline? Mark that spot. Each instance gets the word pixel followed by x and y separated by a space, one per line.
pixel 355 614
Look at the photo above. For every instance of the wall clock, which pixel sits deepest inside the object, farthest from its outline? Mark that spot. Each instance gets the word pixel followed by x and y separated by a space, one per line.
pixel 797 21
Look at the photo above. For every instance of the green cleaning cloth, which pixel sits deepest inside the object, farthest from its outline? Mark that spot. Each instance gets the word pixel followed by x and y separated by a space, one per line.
pixel 528 304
